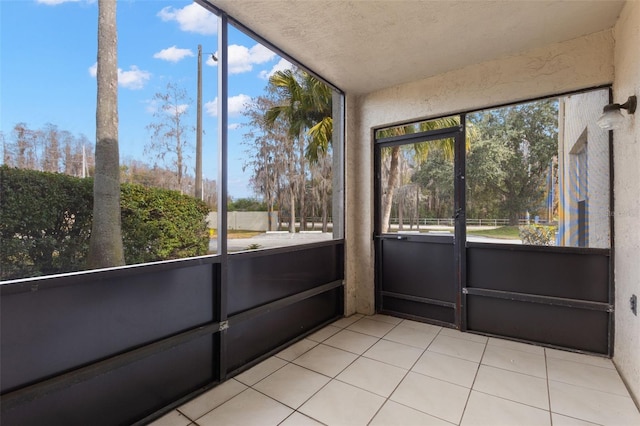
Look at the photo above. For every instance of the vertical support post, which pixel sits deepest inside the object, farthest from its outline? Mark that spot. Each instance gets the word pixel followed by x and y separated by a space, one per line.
pixel 612 245
pixel 337 213
pixel 198 190
pixel 223 91
pixel 460 233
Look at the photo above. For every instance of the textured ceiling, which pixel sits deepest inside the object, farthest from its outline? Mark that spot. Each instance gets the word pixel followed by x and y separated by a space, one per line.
pixel 363 46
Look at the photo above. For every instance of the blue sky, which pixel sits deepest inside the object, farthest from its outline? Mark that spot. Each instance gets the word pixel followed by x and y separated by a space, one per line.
pixel 48 54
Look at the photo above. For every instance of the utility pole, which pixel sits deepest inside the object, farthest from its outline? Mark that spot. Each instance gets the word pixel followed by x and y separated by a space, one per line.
pixel 198 192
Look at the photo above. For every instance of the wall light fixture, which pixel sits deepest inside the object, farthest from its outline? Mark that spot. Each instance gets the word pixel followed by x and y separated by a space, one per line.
pixel 612 118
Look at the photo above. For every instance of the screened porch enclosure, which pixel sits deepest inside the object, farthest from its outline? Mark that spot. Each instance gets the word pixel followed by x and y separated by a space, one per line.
pixel 539 269
pixel 138 341
pixel 412 267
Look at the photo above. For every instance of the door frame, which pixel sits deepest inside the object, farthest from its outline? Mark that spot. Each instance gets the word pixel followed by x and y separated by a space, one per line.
pixel 459 251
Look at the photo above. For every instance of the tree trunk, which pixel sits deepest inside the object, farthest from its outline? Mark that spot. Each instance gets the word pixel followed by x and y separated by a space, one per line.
pixel 105 246
pixel 292 210
pixel 387 197
pixel 179 164
pixel 325 221
pixel 514 219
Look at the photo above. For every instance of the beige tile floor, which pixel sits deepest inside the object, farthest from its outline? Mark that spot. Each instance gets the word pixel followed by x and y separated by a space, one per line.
pixel 380 370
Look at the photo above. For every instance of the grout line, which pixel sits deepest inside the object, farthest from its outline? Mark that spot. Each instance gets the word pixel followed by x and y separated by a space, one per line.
pixel 474 380
pixel 400 381
pixel 220 405
pixel 512 400
pixel 546 370
pixel 325 385
pixel 189 418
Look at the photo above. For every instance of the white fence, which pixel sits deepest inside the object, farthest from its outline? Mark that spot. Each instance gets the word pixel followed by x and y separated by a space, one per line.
pixel 444 221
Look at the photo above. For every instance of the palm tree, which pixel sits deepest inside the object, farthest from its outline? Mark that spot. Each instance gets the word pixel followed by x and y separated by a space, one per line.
pixel 105 245
pixel 306 108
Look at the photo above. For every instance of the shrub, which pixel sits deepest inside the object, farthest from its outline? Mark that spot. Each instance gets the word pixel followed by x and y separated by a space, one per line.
pixel 45 223
pixel 160 224
pixel 537 235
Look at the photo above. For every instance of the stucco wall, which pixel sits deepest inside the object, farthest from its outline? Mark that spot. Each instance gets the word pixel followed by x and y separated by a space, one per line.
pixel 359 250
pixel 627 198
pixel 580 131
pixel 561 67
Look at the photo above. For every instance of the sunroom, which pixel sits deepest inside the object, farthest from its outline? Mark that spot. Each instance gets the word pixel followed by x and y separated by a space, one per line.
pixel 409 249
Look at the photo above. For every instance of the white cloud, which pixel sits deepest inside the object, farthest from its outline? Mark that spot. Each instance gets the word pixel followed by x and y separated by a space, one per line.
pixel 261 54
pixel 234 126
pixel 211 107
pixel 282 65
pixel 236 105
pixel 133 79
pixel 192 18
pixel 173 54
pixel 242 59
pixel 55 2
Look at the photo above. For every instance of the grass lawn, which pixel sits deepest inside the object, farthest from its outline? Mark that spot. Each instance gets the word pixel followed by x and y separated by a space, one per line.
pixel 504 232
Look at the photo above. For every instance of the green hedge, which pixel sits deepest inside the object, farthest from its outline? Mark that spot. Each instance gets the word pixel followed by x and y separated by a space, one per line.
pixel 45 223
pixel 159 224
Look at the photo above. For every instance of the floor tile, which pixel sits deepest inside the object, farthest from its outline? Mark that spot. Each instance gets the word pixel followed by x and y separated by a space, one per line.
pixel 173 418
pixel 394 414
pixel 560 420
pixel 297 349
pixel 347 321
pixel 299 419
pixel 459 379
pixel 341 404
pixel 247 409
pixel 460 348
pixel 373 376
pixel 326 360
pixel 324 333
pixel 516 346
pixel 411 336
pixel 371 327
pixel 592 405
pixel 518 361
pixel 385 318
pixel 351 341
pixel 448 368
pixel 292 385
pixel 393 353
pixel 589 376
pixel 260 371
pixel 583 358
pixel 211 399
pixel 483 410
pixel 450 332
pixel 513 386
pixel 432 396
pixel 427 328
